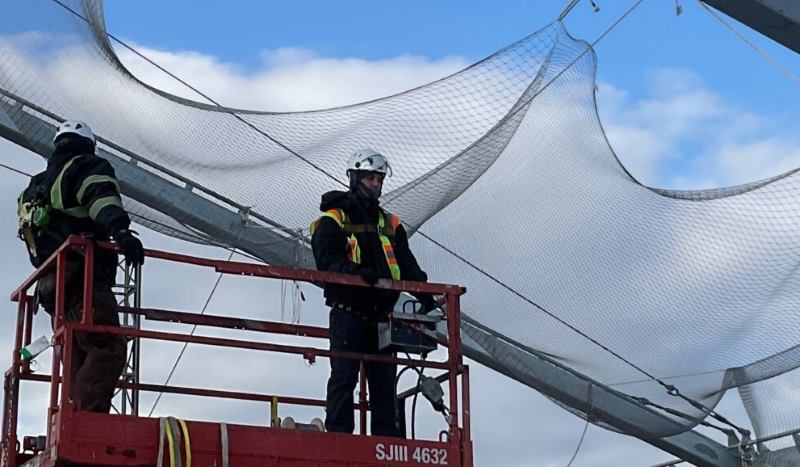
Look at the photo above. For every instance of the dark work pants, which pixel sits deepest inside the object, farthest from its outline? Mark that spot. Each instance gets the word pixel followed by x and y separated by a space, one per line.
pixel 351 333
pixel 97 359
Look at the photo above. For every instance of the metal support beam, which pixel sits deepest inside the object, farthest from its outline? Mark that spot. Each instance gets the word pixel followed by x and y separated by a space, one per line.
pixel 777 19
pixel 606 405
pixel 210 215
pixel 222 220
pixel 130 295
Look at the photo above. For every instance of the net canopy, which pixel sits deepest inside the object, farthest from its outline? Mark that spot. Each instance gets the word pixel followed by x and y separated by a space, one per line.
pixel 507 165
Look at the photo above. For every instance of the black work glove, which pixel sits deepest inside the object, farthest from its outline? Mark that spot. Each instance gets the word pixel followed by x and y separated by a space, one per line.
pixel 369 275
pixel 131 247
pixel 427 303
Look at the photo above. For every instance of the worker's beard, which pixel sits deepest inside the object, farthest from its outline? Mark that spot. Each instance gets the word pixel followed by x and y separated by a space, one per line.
pixel 367 200
pixel 363 191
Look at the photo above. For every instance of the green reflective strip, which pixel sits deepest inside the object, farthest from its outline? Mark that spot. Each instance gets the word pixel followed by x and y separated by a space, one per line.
pixel 55 192
pixel 388 250
pixel 93 179
pixel 315 224
pixel 101 203
pixel 354 250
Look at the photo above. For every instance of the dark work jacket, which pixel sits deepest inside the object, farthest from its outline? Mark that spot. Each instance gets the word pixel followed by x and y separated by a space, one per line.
pixel 99 195
pixel 329 243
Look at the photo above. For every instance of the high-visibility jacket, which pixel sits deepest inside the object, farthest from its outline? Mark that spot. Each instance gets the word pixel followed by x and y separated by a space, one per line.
pixel 386 228
pixel 76 194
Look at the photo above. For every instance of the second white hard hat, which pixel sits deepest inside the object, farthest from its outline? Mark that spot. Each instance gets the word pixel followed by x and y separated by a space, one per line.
pixel 369 160
pixel 77 128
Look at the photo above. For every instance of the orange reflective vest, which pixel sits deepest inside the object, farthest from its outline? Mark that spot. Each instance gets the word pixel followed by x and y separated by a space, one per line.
pixel 385 231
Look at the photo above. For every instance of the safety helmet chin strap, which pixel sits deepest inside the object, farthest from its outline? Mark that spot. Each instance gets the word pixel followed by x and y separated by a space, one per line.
pixel 355 179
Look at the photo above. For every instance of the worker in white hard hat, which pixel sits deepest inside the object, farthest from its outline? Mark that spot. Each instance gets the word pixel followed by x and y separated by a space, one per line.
pixel 354 235
pixel 78 194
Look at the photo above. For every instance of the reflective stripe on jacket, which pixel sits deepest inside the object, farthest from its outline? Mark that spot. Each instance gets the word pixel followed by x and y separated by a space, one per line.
pixel 385 231
pixel 76 194
pixel 93 207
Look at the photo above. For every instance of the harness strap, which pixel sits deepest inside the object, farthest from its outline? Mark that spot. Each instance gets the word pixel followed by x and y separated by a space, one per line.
pixel 385 231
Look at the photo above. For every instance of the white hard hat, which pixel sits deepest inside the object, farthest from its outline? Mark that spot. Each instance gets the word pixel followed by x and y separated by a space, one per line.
pixel 75 127
pixel 369 160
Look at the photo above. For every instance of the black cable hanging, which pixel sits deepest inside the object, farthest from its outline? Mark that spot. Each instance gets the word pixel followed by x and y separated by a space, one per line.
pixel 21 172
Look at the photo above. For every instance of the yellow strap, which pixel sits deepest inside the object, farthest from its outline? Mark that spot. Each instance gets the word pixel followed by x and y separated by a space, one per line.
pixel 27 235
pixel 25 213
pixel 171 443
pixel 273 413
pixel 186 443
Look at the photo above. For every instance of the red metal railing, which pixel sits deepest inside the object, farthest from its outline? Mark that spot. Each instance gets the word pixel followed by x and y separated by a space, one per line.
pixel 62 417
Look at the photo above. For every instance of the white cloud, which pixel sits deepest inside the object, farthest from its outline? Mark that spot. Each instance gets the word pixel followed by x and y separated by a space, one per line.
pixel 683 135
pixel 760 158
pixel 290 79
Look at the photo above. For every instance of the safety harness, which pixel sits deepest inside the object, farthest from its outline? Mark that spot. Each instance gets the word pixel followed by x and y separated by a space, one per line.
pixel 385 230
pixel 34 214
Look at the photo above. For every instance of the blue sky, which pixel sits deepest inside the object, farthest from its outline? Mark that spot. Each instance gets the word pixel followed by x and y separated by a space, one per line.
pixel 652 37
pixel 649 68
pixel 653 58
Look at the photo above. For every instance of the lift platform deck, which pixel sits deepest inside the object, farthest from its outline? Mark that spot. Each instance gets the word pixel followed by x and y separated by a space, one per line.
pixel 94 439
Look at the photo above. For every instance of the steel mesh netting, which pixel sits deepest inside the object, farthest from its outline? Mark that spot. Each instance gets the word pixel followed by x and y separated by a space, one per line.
pixel 507 165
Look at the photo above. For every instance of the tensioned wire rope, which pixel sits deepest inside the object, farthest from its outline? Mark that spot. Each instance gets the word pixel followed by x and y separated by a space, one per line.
pixel 12 169
pixel 761 53
pixel 186 344
pixel 670 389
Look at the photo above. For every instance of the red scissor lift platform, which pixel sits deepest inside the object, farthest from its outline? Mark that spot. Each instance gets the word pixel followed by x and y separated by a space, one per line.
pixel 83 438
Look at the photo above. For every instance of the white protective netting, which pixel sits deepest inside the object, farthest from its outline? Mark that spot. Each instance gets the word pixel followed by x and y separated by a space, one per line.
pixel 506 164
